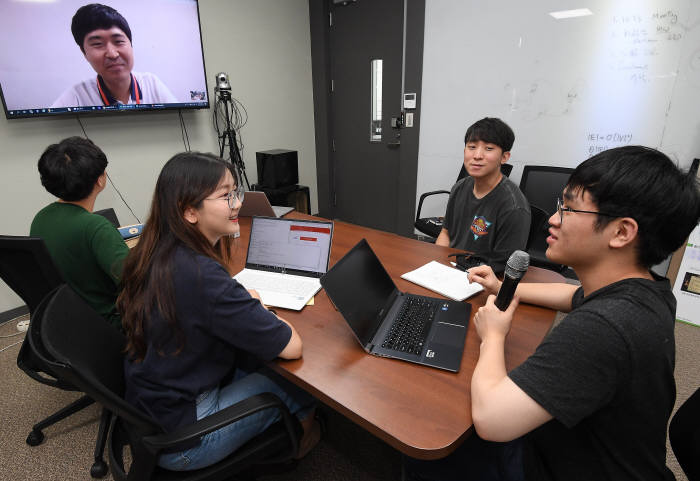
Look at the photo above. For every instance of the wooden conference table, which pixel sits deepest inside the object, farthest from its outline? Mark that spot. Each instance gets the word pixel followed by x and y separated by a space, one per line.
pixel 421 411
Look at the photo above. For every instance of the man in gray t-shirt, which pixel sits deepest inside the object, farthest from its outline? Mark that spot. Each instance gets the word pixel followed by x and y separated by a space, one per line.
pixel 486 214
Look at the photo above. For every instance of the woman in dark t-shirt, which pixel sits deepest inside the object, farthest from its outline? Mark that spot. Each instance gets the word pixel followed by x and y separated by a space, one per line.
pixel 186 319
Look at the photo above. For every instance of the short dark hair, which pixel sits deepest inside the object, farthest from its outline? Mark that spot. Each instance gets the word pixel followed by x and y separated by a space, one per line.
pixel 70 168
pixel 94 16
pixel 492 131
pixel 642 183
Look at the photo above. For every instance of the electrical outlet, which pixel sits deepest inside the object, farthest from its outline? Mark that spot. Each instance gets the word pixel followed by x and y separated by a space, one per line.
pixel 22 326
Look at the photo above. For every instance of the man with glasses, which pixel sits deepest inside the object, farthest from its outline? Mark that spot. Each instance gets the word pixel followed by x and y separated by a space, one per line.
pixel 594 400
pixel 87 249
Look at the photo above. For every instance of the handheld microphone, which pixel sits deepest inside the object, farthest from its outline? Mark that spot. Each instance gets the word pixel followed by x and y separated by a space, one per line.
pixel 516 267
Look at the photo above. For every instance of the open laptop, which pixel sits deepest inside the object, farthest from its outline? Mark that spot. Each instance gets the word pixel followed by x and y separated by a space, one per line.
pixel 257 203
pixel 384 319
pixel 286 258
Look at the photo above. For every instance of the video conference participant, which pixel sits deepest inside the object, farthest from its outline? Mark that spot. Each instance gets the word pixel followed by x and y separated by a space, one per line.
pixel 594 400
pixel 104 37
pixel 486 213
pixel 86 248
pixel 188 322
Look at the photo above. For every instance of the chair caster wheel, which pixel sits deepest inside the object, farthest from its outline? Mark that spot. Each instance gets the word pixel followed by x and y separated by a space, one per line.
pixel 35 438
pixel 99 469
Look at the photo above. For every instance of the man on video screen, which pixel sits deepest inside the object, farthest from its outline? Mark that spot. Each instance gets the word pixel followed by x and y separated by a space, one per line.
pixel 104 37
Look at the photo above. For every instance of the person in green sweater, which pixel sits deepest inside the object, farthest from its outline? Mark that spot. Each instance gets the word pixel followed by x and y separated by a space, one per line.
pixel 86 248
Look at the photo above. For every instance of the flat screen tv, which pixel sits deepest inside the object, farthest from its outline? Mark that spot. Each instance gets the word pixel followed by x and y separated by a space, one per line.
pixel 63 58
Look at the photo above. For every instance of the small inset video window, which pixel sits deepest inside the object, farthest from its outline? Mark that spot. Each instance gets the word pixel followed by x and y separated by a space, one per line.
pixel 691 283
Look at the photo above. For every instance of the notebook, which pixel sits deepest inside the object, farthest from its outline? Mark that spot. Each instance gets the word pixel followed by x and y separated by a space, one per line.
pixel 445 280
pixel 257 203
pixel 383 318
pixel 285 260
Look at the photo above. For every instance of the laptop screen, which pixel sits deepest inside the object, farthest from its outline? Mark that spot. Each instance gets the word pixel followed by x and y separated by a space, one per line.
pixel 290 245
pixel 360 288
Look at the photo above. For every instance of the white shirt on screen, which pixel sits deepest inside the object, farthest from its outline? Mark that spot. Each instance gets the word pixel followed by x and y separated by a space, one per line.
pixel 86 93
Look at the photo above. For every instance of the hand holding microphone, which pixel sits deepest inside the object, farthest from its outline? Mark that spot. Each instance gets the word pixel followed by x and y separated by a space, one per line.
pixel 516 267
pixel 494 318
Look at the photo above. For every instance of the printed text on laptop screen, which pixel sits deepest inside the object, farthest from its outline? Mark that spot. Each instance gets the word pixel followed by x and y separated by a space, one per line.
pixel 291 245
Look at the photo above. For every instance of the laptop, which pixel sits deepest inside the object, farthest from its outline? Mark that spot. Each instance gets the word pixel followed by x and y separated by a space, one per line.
pixel 257 203
pixel 390 323
pixel 285 260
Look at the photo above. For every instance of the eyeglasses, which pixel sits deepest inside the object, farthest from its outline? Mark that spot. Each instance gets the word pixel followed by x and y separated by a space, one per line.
pixel 232 196
pixel 561 209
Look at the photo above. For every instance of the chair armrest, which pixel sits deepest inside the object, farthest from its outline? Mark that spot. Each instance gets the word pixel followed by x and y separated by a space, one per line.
pixel 223 418
pixel 427 194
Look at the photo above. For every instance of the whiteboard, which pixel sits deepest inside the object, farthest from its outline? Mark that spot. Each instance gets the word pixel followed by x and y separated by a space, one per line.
pixel 627 74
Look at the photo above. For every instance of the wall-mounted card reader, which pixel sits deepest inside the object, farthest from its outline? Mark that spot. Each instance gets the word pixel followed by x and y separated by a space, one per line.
pixel 409 101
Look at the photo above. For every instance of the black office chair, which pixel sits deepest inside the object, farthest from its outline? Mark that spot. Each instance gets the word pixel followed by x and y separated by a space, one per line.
pixel 542 186
pixel 27 268
pixel 431 226
pixel 684 434
pixel 537 240
pixel 93 360
pixel 110 215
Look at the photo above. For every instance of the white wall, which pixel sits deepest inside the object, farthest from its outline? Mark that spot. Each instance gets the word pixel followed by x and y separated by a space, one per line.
pixel 264 46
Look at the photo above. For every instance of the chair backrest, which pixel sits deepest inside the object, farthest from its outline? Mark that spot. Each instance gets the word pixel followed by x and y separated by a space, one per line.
pixel 26 266
pixel 538 229
pixel 542 185
pixel 684 435
pixel 109 214
pixel 88 352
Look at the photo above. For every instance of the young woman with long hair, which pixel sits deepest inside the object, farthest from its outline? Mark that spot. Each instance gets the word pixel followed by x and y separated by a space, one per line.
pixel 188 322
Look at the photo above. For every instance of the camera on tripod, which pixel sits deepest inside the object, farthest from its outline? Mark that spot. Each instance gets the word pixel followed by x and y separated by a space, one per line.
pixel 226 111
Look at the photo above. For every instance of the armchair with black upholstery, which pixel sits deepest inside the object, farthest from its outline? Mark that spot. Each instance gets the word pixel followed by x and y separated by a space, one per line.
pixel 684 435
pixel 27 268
pixel 542 186
pixel 431 226
pixel 537 240
pixel 93 360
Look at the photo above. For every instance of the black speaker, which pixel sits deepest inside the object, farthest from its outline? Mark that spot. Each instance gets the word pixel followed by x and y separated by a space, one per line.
pixel 277 168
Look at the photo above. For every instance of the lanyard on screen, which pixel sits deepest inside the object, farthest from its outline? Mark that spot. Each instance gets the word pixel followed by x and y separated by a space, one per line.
pixel 106 95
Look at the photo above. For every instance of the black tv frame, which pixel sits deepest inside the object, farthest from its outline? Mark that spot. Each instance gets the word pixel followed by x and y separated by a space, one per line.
pixel 114 109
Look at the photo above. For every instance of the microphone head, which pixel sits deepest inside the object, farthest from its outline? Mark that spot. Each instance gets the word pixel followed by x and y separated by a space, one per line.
pixel 517 264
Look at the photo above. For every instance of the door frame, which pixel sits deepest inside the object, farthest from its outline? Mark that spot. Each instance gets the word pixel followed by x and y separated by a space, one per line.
pixel 319 19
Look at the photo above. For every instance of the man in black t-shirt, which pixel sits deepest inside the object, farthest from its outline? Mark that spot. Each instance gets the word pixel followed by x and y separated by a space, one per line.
pixel 593 401
pixel 486 214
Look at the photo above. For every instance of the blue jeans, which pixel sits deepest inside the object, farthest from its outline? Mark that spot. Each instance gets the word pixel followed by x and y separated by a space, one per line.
pixel 474 460
pixel 217 445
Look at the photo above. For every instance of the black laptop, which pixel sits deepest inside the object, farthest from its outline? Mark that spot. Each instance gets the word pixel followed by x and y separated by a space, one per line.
pixel 390 323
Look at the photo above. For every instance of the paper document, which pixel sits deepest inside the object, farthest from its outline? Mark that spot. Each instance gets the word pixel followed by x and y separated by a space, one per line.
pixel 444 280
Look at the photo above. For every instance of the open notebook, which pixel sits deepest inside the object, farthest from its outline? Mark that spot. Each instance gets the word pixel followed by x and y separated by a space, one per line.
pixel 285 260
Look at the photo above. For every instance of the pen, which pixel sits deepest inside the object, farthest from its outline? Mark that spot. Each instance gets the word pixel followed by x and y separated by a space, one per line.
pixel 456 266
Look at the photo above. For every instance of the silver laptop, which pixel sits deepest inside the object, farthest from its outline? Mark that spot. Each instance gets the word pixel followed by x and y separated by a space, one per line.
pixel 257 203
pixel 285 260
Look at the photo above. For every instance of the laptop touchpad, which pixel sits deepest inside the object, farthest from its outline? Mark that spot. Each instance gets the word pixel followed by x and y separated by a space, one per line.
pixel 448 334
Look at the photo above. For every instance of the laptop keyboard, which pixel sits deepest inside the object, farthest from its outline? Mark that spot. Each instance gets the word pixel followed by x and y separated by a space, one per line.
pixel 410 328
pixel 296 286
